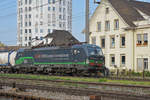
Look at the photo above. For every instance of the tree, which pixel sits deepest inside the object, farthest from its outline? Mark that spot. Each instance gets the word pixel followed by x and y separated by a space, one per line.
pixel 1 44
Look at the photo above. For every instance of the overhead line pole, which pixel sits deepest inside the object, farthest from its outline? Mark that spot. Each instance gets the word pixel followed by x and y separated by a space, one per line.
pixel 87 22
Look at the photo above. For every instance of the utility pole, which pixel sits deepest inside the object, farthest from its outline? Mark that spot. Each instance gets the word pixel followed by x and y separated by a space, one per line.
pixel 87 22
pixel 87 28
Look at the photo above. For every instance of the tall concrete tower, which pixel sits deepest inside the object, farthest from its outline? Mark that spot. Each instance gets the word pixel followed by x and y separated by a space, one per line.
pixel 37 18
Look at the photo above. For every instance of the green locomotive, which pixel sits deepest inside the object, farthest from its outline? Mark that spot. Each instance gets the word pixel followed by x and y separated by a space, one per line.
pixel 83 59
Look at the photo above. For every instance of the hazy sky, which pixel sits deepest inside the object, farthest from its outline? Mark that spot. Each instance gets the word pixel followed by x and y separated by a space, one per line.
pixel 8 19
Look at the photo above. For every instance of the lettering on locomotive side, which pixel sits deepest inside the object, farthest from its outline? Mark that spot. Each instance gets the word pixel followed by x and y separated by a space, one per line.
pixel 51 56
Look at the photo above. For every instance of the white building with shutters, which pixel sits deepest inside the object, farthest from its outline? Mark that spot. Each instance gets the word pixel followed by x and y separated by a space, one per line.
pixel 122 29
pixel 37 18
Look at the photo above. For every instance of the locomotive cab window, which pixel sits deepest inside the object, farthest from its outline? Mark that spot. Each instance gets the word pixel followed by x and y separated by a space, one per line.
pixel 94 51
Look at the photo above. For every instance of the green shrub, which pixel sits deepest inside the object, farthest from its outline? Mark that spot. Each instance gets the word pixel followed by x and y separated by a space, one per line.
pixel 136 74
pixel 147 73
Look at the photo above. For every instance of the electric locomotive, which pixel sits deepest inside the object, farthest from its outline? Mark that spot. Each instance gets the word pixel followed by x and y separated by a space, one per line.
pixel 80 59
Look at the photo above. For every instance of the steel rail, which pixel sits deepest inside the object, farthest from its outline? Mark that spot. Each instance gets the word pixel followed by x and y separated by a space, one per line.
pixel 81 92
pixel 83 83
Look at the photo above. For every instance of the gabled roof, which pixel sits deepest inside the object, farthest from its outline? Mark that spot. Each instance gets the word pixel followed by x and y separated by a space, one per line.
pixel 127 10
pixel 59 38
pixel 142 6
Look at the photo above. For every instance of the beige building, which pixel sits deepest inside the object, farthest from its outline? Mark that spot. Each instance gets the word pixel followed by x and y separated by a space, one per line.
pixel 122 29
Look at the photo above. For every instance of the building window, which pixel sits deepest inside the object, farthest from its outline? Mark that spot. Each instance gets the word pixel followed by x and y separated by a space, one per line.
pixel 26 31
pixel 139 39
pixel 29 43
pixel 29 23
pixel 107 26
pixel 41 30
pixel 145 63
pixel 25 38
pixel 123 41
pixel 29 15
pixel 49 22
pixel 64 10
pixel 102 42
pixel 30 31
pixel 142 39
pixel 60 9
pixel 30 8
pixel 142 64
pixel 53 1
pixel 36 30
pixel 26 16
pixel 49 1
pixel 98 26
pixel 49 16
pixel 26 2
pixel 21 2
pixel 21 31
pixel 41 23
pixel 116 24
pixel 26 9
pixel 53 8
pixel 107 10
pixel 26 24
pixel 123 60
pixel 54 24
pixel 93 40
pixel 30 1
pixel 145 37
pixel 49 30
pixel 112 42
pixel 64 3
pixel 60 17
pixel 30 38
pixel 49 8
pixel 112 60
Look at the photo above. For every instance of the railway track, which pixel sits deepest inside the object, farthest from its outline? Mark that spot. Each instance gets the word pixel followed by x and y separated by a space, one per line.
pixel 84 83
pixel 129 79
pixel 118 78
pixel 124 95
pixel 83 92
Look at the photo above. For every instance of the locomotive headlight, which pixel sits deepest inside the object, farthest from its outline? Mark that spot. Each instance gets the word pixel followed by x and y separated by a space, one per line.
pixel 87 61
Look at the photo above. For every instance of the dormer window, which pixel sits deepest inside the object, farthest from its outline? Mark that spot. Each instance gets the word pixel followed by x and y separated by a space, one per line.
pixel 107 10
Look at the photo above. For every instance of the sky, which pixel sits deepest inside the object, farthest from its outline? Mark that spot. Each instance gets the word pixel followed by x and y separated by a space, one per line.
pixel 8 19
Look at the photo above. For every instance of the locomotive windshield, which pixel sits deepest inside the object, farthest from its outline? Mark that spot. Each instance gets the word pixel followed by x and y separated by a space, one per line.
pixel 94 51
